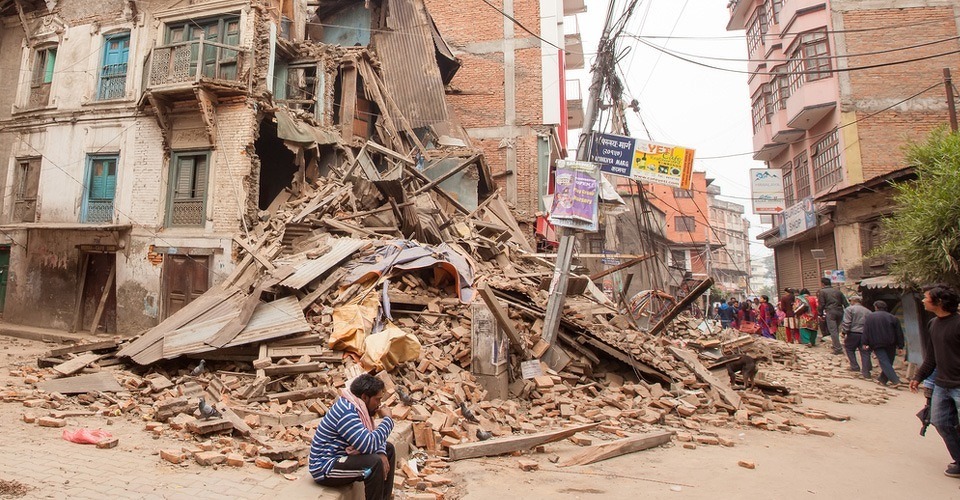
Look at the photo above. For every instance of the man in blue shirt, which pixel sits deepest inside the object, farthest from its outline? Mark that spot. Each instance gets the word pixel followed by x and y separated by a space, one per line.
pixel 347 447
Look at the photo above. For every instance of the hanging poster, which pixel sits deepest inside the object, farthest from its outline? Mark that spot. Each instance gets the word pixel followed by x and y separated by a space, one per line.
pixel 575 195
pixel 662 164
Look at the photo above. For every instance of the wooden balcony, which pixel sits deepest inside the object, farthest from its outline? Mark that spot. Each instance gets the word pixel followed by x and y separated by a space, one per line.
pixel 176 69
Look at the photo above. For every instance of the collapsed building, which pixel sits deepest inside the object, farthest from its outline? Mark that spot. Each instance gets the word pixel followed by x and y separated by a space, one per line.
pixel 143 140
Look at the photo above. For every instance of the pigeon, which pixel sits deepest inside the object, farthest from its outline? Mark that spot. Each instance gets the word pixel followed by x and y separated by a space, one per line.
pixel 405 398
pixel 207 411
pixel 199 369
pixel 467 414
pixel 483 435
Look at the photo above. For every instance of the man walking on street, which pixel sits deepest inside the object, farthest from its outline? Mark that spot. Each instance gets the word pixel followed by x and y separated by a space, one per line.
pixel 832 303
pixel 854 318
pixel 883 335
pixel 941 351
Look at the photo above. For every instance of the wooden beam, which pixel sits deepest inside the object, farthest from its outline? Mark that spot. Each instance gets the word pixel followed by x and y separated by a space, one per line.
pixel 75 364
pixel 207 102
pixel 689 359
pixel 616 448
pixel 620 267
pixel 265 262
pixel 299 395
pixel 511 444
pixel 694 294
pixel 78 307
pixel 447 175
pixel 348 98
pixel 502 316
pixel 236 325
pixel 107 288
pixel 437 189
pixel 73 349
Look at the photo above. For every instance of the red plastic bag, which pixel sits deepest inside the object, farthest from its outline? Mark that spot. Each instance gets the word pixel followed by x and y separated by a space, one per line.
pixel 86 436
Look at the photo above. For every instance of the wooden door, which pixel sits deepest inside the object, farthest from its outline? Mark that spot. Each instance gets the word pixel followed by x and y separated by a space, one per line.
pixel 185 277
pixel 98 302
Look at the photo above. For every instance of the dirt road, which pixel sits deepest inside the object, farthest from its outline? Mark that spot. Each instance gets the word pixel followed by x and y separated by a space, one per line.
pixel 877 454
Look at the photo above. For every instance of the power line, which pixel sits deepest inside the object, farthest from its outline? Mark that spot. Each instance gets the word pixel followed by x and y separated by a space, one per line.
pixel 795 33
pixel 858 120
pixel 655 62
pixel 815 58
pixel 521 26
pixel 812 72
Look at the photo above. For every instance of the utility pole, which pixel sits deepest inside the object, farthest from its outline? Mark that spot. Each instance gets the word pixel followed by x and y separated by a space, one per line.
pixel 706 230
pixel 951 106
pixel 567 236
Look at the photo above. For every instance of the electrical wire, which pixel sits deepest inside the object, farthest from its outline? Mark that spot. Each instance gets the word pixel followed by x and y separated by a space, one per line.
pixel 657 60
pixel 817 58
pixel 521 26
pixel 812 72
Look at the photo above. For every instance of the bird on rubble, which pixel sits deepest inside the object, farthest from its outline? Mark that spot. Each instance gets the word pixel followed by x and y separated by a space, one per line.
pixel 207 411
pixel 467 414
pixel 483 435
pixel 199 369
pixel 405 398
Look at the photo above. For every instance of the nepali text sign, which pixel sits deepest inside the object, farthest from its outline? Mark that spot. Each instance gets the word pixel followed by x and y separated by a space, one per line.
pixel 662 164
pixel 766 187
pixel 798 218
pixel 575 195
pixel 614 153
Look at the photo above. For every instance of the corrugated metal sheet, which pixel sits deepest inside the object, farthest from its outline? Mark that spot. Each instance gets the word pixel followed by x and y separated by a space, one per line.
pixel 271 320
pixel 408 59
pixel 276 319
pixel 307 271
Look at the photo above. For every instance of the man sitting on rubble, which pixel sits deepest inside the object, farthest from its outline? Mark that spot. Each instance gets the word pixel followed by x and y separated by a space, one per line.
pixel 348 448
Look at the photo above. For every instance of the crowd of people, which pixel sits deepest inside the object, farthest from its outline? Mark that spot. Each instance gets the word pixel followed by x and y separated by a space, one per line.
pixel 800 317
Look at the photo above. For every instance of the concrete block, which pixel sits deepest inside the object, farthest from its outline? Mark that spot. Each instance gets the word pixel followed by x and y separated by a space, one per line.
pixel 306 488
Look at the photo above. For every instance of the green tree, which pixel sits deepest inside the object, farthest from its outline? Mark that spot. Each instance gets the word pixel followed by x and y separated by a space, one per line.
pixel 923 234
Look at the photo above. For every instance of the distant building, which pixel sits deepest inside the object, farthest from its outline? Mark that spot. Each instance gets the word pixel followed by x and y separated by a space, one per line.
pixel 833 102
pixel 729 264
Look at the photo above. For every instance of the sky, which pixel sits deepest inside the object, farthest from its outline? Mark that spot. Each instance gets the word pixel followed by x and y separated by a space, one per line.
pixel 682 103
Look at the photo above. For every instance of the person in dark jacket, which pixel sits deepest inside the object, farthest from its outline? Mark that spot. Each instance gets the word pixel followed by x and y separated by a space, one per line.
pixel 727 314
pixel 941 352
pixel 790 325
pixel 883 335
pixel 832 302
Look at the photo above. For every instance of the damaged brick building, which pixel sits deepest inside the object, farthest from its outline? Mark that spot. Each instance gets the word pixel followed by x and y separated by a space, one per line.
pixel 140 141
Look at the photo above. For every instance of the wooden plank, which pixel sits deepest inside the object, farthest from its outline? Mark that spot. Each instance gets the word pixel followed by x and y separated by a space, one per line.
pixel 78 348
pixel 629 263
pixel 616 448
pixel 503 319
pixel 298 351
pixel 512 443
pixel 299 395
pixel 75 364
pixel 103 298
pixel 324 286
pixel 78 307
pixel 95 382
pixel 689 359
pixel 290 369
pixel 254 253
pixel 238 323
pixel 694 294
pixel 451 173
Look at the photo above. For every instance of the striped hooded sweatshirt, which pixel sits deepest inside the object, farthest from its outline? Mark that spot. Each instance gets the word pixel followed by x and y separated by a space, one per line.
pixel 341 427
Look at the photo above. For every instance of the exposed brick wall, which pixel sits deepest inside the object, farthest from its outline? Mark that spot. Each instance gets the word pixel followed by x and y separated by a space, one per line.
pixel 478 95
pixel 883 136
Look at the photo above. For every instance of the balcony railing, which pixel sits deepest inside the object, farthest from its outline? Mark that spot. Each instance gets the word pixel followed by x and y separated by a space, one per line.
pixel 113 79
pixel 187 212
pixel 193 61
pixel 99 211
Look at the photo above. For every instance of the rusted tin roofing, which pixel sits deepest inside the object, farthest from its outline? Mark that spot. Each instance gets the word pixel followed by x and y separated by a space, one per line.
pixel 408 58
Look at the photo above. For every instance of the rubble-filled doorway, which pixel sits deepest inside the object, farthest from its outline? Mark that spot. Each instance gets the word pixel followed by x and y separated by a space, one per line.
pixel 277 163
pixel 185 277
pixel 97 305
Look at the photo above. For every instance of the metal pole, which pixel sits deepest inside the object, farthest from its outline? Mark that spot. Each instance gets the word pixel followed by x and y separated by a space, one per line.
pixel 561 273
pixel 951 106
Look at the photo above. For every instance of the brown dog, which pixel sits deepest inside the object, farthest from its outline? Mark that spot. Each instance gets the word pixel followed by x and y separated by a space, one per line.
pixel 747 366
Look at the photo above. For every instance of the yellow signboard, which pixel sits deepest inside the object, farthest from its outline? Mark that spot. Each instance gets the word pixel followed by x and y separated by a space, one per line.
pixel 662 164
